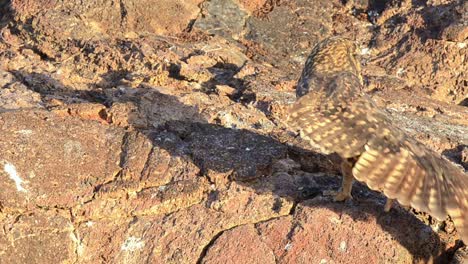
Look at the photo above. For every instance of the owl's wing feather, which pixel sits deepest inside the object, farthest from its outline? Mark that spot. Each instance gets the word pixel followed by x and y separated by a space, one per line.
pixel 416 176
pixel 340 119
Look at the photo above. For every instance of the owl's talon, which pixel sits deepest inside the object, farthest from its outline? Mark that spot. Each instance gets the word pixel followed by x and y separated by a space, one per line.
pixel 342 196
pixel 388 205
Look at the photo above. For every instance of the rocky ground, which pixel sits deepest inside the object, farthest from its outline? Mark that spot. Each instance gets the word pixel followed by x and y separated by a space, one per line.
pixel 151 131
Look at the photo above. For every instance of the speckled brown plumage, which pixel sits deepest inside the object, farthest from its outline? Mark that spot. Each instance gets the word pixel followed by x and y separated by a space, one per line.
pixel 333 113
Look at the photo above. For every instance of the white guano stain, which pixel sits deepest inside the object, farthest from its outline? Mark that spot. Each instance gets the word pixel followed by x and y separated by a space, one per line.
pixel 25 132
pixel 365 51
pixel 10 169
pixel 132 244
pixel 73 149
pixel 400 72
pixel 343 246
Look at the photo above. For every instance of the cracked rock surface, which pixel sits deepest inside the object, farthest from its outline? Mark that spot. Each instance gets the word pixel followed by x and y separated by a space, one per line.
pixel 130 137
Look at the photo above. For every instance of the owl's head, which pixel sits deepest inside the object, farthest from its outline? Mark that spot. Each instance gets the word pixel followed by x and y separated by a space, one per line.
pixel 334 55
pixel 329 58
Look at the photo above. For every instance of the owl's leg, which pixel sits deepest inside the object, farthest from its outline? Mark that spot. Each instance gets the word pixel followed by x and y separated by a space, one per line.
pixel 388 204
pixel 347 183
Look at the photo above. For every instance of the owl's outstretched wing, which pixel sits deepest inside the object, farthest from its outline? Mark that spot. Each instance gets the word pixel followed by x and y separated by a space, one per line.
pixel 338 118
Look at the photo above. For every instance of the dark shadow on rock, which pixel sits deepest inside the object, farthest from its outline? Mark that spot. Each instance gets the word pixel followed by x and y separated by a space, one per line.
pixel 438 18
pixel 224 74
pixel 5 11
pixel 435 19
pixel 247 157
pixel 49 88
pixel 464 102
pixel 458 155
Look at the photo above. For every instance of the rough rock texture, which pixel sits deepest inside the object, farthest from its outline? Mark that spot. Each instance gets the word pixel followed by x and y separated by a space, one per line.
pixel 29 160
pixel 355 234
pixel 130 137
pixel 96 19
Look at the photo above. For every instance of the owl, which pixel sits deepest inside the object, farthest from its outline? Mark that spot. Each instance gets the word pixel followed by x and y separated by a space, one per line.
pixel 334 113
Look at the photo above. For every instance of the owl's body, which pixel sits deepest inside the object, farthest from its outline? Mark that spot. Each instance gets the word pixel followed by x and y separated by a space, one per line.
pixel 333 112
